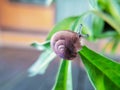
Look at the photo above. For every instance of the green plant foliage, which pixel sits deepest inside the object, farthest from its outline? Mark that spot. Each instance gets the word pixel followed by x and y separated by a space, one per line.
pixel 108 19
pixel 107 34
pixel 97 26
pixel 63 25
pixel 71 23
pixel 85 29
pixel 110 7
pixel 47 55
pixel 115 44
pixel 42 63
pixel 108 10
pixel 103 72
pixel 41 46
pixel 64 77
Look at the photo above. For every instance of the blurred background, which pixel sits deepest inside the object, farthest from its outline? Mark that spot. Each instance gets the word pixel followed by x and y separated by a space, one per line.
pixel 25 21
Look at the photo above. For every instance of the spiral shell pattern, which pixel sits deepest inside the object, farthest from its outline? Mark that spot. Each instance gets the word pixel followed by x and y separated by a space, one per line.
pixel 66 44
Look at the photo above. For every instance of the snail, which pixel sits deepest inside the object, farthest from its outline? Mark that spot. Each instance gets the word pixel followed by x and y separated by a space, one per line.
pixel 66 43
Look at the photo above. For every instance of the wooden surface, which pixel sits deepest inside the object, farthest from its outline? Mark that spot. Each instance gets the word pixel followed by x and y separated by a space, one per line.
pixel 22 24
pixel 20 39
pixel 26 16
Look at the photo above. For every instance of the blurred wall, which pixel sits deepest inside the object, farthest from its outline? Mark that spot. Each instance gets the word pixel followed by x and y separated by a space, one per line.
pixel 23 23
pixel 26 16
pixel 67 8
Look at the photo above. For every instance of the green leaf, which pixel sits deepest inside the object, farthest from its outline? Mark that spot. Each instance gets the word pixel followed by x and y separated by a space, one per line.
pixel 45 58
pixel 76 24
pixel 113 41
pixel 63 25
pixel 41 46
pixel 71 23
pixel 93 3
pixel 114 9
pixel 99 4
pixel 103 72
pixel 42 63
pixel 108 19
pixel 64 77
pixel 108 6
pixel 115 44
pixel 81 20
pixel 97 25
pixel 107 34
pixel 110 41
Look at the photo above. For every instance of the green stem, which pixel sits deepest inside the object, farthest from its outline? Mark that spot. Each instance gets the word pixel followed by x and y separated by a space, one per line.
pixel 64 77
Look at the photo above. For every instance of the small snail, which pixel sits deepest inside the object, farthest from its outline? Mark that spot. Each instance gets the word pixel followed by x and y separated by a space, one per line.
pixel 66 43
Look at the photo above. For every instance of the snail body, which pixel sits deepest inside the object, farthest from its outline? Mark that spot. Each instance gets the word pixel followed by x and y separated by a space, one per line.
pixel 66 44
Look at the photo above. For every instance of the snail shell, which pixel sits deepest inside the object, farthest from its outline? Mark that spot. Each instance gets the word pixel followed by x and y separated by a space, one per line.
pixel 66 44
